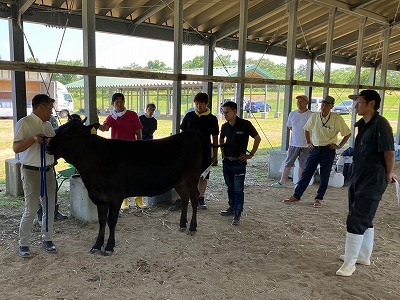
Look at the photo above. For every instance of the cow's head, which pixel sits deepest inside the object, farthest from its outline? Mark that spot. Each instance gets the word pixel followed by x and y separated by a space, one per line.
pixel 70 137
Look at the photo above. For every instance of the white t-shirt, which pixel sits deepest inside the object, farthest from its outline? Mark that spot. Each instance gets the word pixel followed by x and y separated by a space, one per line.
pixel 27 127
pixel 297 120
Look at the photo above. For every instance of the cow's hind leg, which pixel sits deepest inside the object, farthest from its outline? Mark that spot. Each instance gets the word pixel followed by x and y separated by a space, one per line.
pixel 194 200
pixel 112 223
pixel 102 212
pixel 184 195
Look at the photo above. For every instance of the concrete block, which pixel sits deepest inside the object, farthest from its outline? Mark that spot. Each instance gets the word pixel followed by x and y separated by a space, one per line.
pixel 276 158
pixel 82 207
pixel 166 198
pixel 13 177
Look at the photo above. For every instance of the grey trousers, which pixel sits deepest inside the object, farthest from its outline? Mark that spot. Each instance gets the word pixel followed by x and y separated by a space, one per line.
pixel 31 186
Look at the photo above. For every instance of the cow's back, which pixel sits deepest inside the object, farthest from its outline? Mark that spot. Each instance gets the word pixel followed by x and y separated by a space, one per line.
pixel 145 168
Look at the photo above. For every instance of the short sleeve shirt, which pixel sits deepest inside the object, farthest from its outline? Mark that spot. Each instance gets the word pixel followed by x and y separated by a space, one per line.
pixel 237 136
pixel 149 127
pixel 206 124
pixel 25 128
pixel 324 131
pixel 124 127
pixel 373 138
pixel 296 121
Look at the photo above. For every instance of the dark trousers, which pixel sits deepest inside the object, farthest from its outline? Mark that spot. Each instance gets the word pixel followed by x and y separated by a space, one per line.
pixel 234 175
pixel 323 156
pixel 365 192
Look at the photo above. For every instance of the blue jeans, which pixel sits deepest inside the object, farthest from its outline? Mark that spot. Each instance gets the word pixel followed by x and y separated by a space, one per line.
pixel 323 156
pixel 234 174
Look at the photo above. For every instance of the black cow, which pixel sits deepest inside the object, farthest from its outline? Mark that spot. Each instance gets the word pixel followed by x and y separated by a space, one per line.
pixel 115 169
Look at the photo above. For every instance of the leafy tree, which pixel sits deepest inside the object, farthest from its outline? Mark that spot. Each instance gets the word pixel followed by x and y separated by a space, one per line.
pixel 134 66
pixel 32 60
pixel 67 78
pixel 196 62
pixel 156 65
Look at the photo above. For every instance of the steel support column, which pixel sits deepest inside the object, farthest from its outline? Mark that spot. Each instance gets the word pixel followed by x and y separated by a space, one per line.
pixel 177 84
pixel 329 48
pixel 89 59
pixel 290 56
pixel 244 7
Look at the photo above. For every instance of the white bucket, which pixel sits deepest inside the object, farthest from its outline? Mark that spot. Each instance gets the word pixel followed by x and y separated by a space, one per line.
pixel 336 180
pixel 296 175
pixel 340 164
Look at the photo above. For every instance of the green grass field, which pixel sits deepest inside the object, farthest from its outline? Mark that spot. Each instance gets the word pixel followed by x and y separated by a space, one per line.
pixel 270 130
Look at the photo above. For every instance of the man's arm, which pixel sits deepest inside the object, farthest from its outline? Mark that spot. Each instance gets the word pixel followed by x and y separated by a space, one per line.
pixel 214 158
pixel 20 146
pixel 342 143
pixel 138 133
pixel 104 127
pixel 308 139
pixel 389 163
pixel 256 143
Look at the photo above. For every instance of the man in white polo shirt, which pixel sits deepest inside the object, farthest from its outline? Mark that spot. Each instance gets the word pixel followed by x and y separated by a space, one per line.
pixel 28 137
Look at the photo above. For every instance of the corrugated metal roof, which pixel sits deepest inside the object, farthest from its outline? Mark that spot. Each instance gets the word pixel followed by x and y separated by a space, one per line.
pixel 267 26
pixel 104 82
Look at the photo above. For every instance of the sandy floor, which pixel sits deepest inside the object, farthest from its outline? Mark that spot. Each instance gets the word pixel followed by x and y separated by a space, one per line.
pixel 279 251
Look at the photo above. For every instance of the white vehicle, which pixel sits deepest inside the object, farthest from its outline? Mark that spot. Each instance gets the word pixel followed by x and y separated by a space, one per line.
pixel 64 103
pixel 316 104
pixel 63 100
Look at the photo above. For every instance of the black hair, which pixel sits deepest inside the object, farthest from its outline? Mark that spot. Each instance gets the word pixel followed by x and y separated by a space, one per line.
pixel 41 98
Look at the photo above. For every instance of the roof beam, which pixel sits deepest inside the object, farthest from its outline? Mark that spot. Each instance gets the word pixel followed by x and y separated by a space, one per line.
pixel 349 9
pixel 233 26
pixel 24 5
pixel 151 11
pixel 348 39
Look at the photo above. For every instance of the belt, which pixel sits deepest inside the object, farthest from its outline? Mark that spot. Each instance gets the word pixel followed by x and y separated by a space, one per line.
pixel 48 168
pixel 231 158
pixel 327 146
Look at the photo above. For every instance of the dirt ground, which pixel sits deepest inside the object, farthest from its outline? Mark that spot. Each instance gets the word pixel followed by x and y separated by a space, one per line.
pixel 279 251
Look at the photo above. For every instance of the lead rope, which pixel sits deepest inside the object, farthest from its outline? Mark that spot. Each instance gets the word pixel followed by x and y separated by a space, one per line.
pixel 43 184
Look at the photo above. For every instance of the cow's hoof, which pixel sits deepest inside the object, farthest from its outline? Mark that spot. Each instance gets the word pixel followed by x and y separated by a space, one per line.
pixel 108 253
pixel 192 233
pixel 95 251
pixel 182 229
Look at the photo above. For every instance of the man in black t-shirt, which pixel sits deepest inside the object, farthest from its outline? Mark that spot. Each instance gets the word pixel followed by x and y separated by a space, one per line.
pixel 203 121
pixel 235 135
pixel 149 123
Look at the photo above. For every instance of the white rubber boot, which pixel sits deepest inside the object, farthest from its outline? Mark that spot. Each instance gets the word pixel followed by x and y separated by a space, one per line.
pixel 364 257
pixel 351 251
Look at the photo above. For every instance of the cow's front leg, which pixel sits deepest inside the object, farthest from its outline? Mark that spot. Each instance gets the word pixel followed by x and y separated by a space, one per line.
pixel 102 212
pixel 112 223
pixel 194 201
pixel 183 220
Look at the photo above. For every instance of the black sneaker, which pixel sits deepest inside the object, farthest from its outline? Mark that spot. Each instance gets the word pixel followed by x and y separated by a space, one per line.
pixel 24 251
pixel 49 246
pixel 59 216
pixel 202 203
pixel 228 212
pixel 236 219
pixel 177 205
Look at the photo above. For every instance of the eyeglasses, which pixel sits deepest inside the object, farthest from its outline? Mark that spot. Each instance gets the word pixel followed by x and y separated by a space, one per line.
pixel 51 107
pixel 225 111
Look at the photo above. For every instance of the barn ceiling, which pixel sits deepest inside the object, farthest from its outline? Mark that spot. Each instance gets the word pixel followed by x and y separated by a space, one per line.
pixel 267 26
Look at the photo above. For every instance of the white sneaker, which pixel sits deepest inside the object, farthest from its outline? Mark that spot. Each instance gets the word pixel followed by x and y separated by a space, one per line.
pixel 278 185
